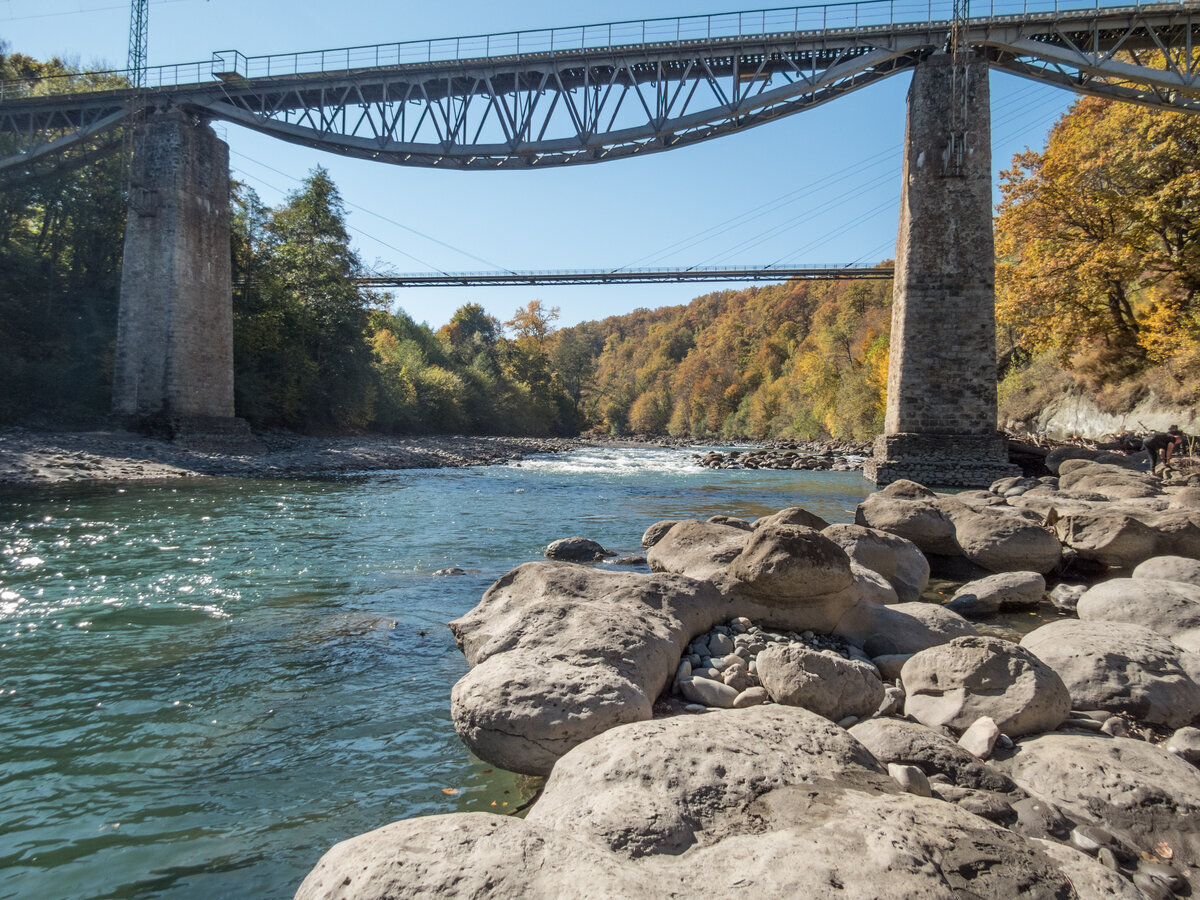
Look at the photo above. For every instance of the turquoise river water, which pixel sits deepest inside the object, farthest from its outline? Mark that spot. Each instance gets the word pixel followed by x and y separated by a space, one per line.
pixel 204 684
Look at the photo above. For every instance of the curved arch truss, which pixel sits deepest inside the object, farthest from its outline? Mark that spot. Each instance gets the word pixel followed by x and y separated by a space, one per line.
pixel 595 103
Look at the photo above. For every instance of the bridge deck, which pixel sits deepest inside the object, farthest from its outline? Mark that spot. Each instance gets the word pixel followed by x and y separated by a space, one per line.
pixel 630 276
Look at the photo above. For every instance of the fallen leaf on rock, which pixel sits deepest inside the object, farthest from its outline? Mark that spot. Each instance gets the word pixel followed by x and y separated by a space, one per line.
pixel 1163 849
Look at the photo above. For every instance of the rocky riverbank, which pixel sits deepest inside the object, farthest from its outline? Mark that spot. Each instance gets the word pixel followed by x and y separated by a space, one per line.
pixel 39 457
pixel 772 708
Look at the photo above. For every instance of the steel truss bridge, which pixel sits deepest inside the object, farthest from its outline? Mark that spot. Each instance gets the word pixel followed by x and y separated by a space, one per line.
pixel 567 96
pixel 628 276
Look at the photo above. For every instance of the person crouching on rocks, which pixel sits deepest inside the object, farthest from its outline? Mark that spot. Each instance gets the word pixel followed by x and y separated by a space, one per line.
pixel 1157 443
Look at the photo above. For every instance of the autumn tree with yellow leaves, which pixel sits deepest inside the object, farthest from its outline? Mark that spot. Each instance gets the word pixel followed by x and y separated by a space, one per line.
pixel 1098 244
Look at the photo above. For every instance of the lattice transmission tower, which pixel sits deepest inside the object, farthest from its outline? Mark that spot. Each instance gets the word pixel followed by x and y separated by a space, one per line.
pixel 139 41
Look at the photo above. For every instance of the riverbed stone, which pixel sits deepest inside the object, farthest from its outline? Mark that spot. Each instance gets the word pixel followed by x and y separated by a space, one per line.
pixel 1185 743
pixel 700 550
pixel 655 532
pixel 1108 537
pixel 1088 877
pixel 659 787
pixel 577 549
pixel 999 593
pixel 821 682
pixel 792 515
pixel 469 855
pixel 554 660
pixel 1140 792
pixel 1170 568
pixel 955 683
pixel 909 510
pixel 911 743
pixel 897 559
pixel 903 628
pixel 1119 667
pixel 1004 541
pixel 1168 607
pixel 707 691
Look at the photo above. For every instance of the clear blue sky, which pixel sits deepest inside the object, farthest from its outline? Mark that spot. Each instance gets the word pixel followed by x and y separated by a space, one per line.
pixel 818 187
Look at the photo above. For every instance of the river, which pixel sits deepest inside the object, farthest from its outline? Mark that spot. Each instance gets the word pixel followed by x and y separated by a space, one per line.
pixel 204 684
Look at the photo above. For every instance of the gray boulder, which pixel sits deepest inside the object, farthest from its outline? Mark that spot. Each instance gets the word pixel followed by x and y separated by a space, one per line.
pixel 791 561
pixel 1140 792
pixel 700 550
pixel 554 660
pixel 997 593
pixel 666 785
pixel 1089 878
pixel 793 515
pixel 470 855
pixel 911 511
pixel 1168 607
pixel 1185 743
pixel 1108 537
pixel 897 559
pixel 902 629
pixel 1119 667
pixel 655 532
pixel 955 683
pixel 1005 541
pixel 913 744
pixel 576 549
pixel 824 683
pixel 1170 568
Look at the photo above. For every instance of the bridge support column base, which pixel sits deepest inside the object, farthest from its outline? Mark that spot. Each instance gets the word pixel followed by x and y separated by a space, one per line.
pixel 940 460
pixel 186 428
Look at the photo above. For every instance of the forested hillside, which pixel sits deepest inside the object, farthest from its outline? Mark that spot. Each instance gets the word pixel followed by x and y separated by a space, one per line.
pixel 795 360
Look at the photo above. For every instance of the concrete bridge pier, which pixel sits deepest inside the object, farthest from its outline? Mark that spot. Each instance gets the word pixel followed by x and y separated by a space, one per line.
pixel 941 394
pixel 174 359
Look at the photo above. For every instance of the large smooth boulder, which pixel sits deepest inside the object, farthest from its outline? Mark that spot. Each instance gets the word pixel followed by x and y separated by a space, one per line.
pixel 791 561
pixel 913 744
pixel 1119 667
pixel 666 785
pixel 698 550
pixel 1168 607
pixel 1178 532
pixel 824 683
pixel 1005 541
pixel 897 559
pixel 1141 792
pixel 1111 482
pixel 911 511
pixel 793 515
pixel 1089 878
pixel 955 683
pixel 904 628
pixel 998 593
pixel 792 576
pixel 1114 539
pixel 560 653
pixel 470 855
pixel 1170 568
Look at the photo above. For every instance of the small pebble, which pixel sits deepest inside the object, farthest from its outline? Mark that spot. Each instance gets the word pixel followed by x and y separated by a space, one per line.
pixel 1115 726
pixel 847 722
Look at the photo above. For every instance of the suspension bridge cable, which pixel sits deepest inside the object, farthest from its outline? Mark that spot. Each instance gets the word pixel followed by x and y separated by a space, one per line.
pixel 389 220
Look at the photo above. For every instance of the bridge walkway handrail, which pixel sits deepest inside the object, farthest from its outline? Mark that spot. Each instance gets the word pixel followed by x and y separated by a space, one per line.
pixel 847 16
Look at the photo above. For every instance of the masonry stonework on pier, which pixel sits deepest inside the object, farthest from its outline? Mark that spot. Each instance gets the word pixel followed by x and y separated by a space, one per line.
pixel 174 358
pixel 941 395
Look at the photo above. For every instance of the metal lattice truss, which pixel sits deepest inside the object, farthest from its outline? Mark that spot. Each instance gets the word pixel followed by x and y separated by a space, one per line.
pixel 530 109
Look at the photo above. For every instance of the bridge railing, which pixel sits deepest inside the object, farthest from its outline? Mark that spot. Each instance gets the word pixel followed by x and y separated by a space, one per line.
pixel 854 15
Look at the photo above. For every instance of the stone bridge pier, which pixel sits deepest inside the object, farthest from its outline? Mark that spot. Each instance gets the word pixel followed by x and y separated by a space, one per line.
pixel 174 357
pixel 941 393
